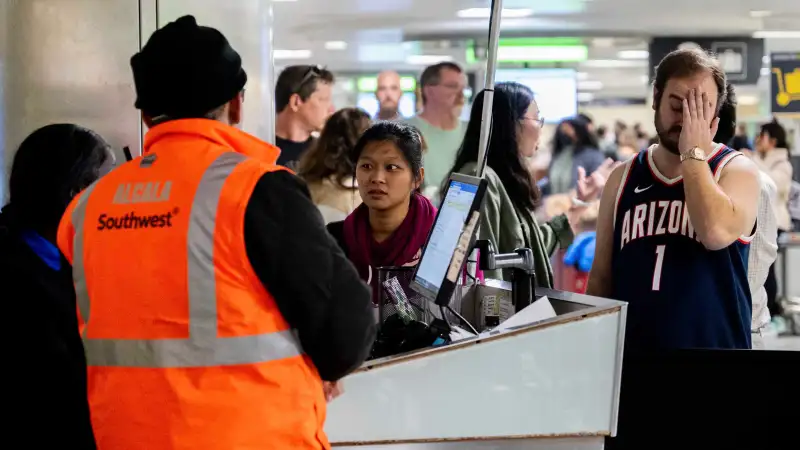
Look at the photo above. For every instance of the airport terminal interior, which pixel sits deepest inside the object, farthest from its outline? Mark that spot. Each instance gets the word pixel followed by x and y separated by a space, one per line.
pixel 492 292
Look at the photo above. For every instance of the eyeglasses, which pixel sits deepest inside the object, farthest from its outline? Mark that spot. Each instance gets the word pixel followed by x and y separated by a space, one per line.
pixel 539 120
pixel 313 72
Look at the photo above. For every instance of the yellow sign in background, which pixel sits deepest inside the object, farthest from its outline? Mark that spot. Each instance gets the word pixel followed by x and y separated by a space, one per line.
pixel 785 83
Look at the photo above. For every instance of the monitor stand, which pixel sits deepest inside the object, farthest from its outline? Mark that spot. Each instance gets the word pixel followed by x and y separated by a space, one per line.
pixel 523 275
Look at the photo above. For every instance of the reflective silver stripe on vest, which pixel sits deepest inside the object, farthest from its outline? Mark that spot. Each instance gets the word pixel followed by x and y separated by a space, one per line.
pixel 203 348
pixel 78 273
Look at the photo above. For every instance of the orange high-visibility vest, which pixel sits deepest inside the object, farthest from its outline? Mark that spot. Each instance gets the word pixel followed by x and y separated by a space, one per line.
pixel 186 348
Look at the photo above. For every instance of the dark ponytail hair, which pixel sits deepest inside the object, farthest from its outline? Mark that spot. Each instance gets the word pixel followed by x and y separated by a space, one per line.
pixel 776 131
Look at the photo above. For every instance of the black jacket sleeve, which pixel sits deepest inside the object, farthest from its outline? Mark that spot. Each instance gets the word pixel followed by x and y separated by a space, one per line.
pixel 336 229
pixel 315 286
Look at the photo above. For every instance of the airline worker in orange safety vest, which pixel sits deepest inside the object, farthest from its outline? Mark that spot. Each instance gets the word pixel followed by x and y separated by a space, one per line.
pixel 213 300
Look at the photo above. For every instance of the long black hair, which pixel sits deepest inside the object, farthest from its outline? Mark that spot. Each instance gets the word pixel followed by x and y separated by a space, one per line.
pixel 511 102
pixel 51 166
pixel 584 138
pixel 775 131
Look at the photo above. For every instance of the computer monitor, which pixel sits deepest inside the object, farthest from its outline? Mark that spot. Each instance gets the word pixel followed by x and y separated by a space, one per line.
pixel 555 90
pixel 442 260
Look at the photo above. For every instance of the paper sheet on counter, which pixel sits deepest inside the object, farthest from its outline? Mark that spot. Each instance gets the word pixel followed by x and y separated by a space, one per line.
pixel 457 333
pixel 537 311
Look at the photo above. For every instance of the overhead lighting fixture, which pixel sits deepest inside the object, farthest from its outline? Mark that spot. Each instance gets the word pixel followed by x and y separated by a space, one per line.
pixel 291 54
pixel 633 54
pixel 485 13
pixel 592 85
pixel 603 42
pixel 336 45
pixel 582 76
pixel 777 34
pixel 765 59
pixel 760 14
pixel 584 97
pixel 426 60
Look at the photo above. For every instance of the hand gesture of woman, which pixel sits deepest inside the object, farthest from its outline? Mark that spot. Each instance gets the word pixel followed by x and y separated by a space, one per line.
pixel 589 188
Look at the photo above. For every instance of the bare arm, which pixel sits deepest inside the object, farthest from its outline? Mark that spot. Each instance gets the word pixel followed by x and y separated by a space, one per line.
pixel 721 211
pixel 600 277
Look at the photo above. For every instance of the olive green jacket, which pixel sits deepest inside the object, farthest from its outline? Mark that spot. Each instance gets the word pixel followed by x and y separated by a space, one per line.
pixel 510 228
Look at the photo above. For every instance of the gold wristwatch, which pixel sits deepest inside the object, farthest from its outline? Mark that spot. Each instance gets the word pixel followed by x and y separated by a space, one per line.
pixel 695 153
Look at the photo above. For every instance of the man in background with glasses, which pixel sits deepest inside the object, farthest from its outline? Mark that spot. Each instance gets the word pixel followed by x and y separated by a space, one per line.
pixel 303 102
pixel 442 88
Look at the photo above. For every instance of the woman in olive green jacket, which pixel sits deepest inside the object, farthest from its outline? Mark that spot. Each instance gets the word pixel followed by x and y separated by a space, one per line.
pixel 507 216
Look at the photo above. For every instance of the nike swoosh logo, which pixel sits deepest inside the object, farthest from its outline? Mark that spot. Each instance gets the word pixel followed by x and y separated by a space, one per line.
pixel 638 190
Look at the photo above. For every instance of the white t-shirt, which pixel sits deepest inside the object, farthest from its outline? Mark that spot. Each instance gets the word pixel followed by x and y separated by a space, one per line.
pixel 763 250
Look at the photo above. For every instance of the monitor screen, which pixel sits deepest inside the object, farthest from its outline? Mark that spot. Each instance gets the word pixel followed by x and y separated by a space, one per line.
pixel 444 237
pixel 555 90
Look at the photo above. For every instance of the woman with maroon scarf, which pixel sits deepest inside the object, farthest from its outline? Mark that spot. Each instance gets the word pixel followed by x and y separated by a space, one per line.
pixel 391 225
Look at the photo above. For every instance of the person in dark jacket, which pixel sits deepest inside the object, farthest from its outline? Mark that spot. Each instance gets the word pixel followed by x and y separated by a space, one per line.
pixel 45 365
pixel 575 150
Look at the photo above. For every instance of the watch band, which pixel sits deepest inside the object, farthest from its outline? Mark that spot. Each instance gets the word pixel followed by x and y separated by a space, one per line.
pixel 695 153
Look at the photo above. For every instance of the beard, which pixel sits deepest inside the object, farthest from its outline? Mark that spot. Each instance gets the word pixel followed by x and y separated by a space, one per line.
pixel 668 137
pixel 389 105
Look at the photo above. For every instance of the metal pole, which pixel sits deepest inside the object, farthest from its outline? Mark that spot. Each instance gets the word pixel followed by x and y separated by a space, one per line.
pixel 488 102
pixel 488 95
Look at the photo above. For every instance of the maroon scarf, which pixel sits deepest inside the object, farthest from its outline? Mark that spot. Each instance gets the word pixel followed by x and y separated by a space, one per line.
pixel 400 248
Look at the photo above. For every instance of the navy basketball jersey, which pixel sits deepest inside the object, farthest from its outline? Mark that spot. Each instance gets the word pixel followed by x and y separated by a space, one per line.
pixel 679 294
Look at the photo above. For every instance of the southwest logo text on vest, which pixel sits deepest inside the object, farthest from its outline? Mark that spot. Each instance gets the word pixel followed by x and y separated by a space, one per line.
pixel 133 221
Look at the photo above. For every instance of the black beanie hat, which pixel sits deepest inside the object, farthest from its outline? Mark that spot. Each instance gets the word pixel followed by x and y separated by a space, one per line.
pixel 186 70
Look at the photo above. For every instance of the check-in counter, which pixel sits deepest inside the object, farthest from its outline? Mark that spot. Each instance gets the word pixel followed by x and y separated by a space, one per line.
pixel 550 384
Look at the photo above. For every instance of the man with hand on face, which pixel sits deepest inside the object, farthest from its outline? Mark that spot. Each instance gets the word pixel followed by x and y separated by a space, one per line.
pixel 676 221
pixel 388 95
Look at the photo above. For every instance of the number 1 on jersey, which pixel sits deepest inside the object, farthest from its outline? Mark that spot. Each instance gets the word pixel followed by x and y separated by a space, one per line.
pixel 659 264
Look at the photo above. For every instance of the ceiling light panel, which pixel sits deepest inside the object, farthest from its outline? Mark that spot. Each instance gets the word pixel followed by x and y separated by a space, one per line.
pixel 336 45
